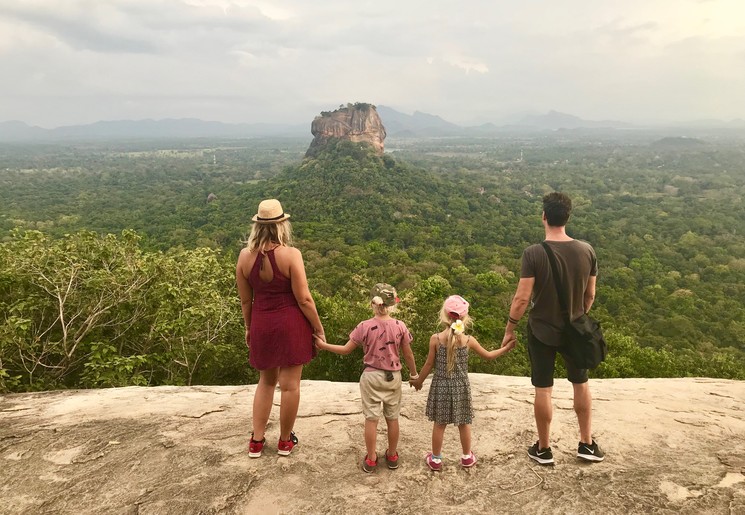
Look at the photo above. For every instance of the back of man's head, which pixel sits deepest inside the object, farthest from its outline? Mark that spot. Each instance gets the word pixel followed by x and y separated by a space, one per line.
pixel 557 207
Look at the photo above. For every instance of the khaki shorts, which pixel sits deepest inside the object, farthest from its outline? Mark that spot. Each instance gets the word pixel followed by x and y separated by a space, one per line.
pixel 375 390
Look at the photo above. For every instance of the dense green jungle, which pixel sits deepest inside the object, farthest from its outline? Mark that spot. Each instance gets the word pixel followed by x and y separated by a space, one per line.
pixel 117 259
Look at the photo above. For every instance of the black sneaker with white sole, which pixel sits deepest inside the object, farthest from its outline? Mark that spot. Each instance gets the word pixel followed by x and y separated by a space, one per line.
pixel 590 452
pixel 543 456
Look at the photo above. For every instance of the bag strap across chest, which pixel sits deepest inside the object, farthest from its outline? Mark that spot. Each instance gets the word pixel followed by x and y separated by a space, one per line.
pixel 560 292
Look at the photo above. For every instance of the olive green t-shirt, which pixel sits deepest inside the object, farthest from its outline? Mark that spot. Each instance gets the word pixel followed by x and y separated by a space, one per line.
pixel 576 262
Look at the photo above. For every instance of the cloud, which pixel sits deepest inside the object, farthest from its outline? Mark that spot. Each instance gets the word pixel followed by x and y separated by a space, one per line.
pixel 243 60
pixel 467 64
pixel 81 30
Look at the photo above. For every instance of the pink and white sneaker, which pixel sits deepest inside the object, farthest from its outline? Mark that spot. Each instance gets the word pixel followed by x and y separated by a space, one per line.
pixel 434 462
pixel 468 461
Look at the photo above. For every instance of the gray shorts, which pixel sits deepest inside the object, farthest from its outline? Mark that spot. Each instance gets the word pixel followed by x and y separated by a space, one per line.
pixel 380 397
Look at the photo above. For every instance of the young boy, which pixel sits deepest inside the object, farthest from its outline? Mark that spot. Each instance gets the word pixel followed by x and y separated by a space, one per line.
pixel 382 338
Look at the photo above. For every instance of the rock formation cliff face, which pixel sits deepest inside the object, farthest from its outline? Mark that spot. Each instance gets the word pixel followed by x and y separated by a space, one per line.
pixel 356 123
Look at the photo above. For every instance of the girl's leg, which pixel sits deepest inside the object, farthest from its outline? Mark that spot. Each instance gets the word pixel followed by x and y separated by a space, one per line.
pixel 371 434
pixel 393 432
pixel 438 434
pixel 263 400
pixel 465 438
pixel 289 385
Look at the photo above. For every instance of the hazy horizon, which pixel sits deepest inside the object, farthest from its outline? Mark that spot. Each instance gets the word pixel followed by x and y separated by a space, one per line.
pixel 284 61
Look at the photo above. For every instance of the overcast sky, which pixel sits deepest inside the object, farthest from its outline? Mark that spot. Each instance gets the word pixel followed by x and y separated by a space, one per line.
pixel 470 61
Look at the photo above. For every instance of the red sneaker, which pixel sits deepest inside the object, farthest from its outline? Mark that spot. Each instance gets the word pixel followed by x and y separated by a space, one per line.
pixel 369 465
pixel 255 448
pixel 284 448
pixel 392 461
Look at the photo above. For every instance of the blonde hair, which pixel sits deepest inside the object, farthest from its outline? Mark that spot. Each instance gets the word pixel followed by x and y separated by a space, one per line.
pixel 264 234
pixel 382 310
pixel 453 339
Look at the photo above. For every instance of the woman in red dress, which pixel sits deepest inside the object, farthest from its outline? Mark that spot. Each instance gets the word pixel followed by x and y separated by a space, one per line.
pixel 280 318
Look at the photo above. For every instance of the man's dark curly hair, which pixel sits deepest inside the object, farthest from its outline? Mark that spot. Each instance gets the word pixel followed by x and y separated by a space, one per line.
pixel 557 207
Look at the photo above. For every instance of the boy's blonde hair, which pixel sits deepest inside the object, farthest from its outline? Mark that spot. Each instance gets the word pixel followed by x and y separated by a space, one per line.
pixel 264 234
pixel 383 299
pixel 454 340
pixel 382 310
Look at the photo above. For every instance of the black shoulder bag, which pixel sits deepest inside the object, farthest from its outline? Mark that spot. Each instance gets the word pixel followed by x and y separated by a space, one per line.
pixel 582 337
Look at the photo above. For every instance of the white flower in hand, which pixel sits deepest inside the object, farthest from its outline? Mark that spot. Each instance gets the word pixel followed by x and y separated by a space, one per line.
pixel 458 327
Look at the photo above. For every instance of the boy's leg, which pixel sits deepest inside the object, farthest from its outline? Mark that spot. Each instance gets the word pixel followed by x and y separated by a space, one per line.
pixel 372 408
pixel 465 438
pixel 263 400
pixel 438 434
pixel 392 409
pixel 393 433
pixel 371 434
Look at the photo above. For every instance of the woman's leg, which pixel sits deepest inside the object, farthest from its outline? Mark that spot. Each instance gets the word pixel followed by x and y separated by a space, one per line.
pixel 465 438
pixel 263 400
pixel 289 385
pixel 438 434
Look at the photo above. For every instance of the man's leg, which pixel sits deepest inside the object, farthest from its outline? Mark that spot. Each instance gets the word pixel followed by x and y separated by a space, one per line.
pixel 583 409
pixel 543 411
pixel 542 359
pixel 582 398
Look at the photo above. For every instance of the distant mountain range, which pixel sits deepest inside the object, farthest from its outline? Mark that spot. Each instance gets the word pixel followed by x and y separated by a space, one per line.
pixel 148 129
pixel 397 124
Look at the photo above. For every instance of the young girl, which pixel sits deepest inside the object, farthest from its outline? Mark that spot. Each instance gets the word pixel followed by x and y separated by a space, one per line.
pixel 449 400
pixel 381 338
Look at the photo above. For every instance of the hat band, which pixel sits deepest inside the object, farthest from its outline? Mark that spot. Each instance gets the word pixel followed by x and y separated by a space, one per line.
pixel 269 219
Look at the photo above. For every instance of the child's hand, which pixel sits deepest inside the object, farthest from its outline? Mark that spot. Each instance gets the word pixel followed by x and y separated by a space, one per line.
pixel 510 344
pixel 416 382
pixel 319 341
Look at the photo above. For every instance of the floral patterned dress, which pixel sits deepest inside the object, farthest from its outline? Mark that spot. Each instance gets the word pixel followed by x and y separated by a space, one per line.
pixel 449 400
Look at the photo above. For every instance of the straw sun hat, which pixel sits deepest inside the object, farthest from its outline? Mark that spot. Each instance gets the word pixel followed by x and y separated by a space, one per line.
pixel 270 212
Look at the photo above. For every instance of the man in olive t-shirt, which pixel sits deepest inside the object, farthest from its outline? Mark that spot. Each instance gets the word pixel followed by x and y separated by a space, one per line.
pixel 577 268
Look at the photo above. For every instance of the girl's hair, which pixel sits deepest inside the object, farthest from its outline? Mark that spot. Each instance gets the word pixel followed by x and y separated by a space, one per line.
pixel 263 234
pixel 447 320
pixel 382 310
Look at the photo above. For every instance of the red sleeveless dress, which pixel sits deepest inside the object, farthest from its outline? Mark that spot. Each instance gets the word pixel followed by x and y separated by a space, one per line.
pixel 281 336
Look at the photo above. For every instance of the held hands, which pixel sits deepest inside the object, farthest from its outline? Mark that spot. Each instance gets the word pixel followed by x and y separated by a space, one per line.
pixel 320 340
pixel 416 381
pixel 509 340
pixel 509 343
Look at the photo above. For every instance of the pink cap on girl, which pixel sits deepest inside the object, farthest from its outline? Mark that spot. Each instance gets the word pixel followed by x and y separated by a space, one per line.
pixel 456 306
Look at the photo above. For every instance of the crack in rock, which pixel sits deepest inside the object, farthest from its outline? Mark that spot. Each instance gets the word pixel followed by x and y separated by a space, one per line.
pixel 689 423
pixel 203 414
